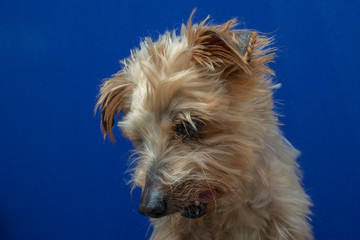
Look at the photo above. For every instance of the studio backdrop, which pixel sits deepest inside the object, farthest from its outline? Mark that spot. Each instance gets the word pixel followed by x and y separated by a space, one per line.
pixel 59 179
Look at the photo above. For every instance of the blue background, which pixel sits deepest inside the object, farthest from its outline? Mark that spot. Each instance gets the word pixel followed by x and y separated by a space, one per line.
pixel 60 180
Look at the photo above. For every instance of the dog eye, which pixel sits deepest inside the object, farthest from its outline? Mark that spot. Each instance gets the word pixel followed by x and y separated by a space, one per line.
pixel 186 129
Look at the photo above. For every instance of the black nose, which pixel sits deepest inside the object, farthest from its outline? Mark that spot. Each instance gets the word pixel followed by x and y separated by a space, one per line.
pixel 153 204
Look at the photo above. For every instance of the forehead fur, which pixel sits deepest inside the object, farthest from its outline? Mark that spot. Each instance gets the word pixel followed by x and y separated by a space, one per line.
pixel 167 80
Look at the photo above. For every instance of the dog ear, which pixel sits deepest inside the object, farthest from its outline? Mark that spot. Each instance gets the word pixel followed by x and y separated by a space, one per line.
pixel 112 100
pixel 220 47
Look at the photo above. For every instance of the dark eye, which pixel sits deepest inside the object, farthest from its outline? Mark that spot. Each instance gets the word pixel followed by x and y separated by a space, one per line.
pixel 186 129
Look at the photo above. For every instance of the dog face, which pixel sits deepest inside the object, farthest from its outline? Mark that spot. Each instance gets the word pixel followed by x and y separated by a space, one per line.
pixel 195 106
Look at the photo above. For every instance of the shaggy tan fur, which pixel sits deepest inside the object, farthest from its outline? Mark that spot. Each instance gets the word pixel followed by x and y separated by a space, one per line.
pixel 216 80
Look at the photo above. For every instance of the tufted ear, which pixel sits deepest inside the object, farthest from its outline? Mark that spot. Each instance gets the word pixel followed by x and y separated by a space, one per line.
pixel 221 47
pixel 112 100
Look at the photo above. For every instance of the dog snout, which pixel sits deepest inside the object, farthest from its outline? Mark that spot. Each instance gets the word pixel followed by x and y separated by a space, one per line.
pixel 153 204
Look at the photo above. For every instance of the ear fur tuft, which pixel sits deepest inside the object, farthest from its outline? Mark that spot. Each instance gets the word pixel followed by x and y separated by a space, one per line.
pixel 221 46
pixel 111 100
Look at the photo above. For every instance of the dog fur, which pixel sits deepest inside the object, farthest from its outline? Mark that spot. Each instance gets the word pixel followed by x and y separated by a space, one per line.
pixel 199 108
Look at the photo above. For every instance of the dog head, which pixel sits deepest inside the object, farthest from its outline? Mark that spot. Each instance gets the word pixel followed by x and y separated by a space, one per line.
pixel 195 106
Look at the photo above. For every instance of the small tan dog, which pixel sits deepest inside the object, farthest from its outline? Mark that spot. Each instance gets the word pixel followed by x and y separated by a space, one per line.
pixel 210 158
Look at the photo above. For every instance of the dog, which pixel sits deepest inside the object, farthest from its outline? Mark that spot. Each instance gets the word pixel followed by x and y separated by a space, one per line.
pixel 209 156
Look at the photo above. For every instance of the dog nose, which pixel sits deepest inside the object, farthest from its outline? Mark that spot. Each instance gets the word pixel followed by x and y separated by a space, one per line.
pixel 153 204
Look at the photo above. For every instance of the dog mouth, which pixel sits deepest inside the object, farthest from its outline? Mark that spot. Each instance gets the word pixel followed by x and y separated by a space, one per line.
pixel 198 208
pixel 195 210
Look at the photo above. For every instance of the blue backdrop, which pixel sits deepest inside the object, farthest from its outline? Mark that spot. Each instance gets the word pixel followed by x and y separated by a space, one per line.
pixel 60 180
